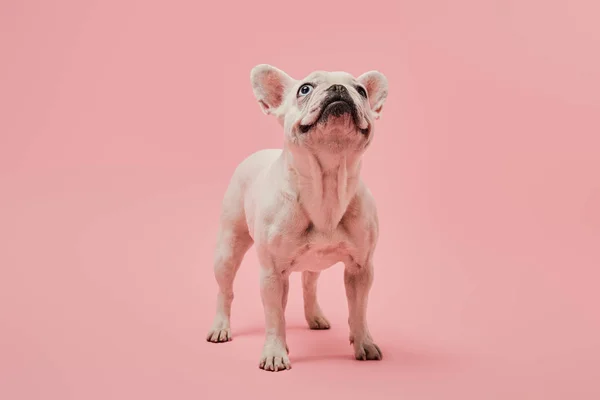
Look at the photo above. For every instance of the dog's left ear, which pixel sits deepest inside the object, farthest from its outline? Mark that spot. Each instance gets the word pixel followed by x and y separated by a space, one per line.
pixel 377 89
pixel 270 86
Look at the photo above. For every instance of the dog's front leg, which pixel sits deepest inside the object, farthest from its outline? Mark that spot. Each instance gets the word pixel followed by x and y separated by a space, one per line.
pixel 274 290
pixel 358 280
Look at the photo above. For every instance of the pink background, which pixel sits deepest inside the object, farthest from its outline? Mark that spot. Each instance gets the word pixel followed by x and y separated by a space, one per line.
pixel 122 121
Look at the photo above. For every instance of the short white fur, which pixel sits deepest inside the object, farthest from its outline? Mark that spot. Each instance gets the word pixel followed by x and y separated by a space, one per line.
pixel 304 207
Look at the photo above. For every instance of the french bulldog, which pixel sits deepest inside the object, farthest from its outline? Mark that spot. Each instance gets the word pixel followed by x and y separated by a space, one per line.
pixel 305 206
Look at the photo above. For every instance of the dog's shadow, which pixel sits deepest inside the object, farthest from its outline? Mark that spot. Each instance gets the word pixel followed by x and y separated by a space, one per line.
pixel 407 354
pixel 404 357
pixel 259 331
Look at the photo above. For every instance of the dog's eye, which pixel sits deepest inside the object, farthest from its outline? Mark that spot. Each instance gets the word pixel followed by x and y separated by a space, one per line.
pixel 361 90
pixel 305 89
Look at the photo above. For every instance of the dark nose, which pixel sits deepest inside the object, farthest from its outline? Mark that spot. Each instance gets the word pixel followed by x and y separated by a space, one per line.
pixel 338 89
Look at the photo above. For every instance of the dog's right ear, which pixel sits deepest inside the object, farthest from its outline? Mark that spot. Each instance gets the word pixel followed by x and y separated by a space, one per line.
pixel 270 86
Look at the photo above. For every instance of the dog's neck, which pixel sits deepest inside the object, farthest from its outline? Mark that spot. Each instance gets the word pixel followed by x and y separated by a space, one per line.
pixel 324 183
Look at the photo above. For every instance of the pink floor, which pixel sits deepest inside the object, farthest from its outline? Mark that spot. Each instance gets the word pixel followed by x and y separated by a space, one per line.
pixel 121 123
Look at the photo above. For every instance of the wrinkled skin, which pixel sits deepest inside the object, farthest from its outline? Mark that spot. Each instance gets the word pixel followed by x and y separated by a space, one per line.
pixel 304 207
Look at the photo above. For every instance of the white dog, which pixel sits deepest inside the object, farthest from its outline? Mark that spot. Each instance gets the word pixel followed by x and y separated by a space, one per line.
pixel 304 207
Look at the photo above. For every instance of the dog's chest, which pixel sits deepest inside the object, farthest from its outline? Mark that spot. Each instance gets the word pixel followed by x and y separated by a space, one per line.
pixel 318 251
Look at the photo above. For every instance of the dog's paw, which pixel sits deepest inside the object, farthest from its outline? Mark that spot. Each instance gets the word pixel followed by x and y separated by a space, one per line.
pixel 219 335
pixel 366 350
pixel 318 322
pixel 220 332
pixel 275 358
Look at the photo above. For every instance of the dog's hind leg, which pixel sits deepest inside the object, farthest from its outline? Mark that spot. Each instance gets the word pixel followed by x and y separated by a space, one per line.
pixel 312 310
pixel 233 242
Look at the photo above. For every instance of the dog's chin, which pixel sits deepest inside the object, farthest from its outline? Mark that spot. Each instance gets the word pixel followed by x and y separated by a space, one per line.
pixel 336 124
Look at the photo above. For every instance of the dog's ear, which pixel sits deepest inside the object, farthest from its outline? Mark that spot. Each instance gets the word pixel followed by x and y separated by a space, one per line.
pixel 270 86
pixel 377 89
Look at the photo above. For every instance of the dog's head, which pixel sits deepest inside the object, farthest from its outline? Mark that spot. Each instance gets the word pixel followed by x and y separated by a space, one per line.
pixel 326 111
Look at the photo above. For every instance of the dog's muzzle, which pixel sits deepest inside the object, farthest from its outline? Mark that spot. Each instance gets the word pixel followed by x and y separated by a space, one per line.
pixel 337 103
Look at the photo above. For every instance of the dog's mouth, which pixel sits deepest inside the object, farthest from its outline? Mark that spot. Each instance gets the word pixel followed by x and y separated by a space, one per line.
pixel 336 106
